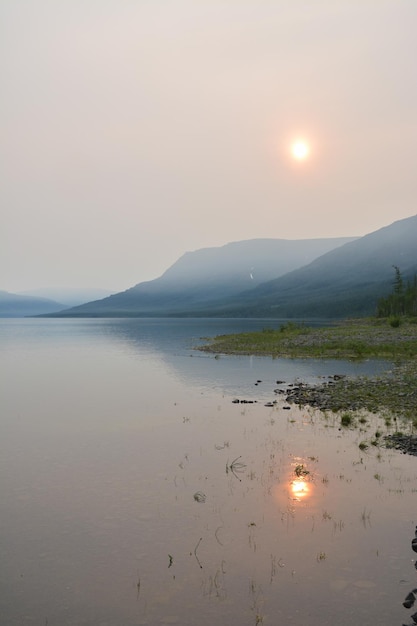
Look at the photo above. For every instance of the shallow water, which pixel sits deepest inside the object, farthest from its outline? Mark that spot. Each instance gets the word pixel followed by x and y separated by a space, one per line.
pixel 121 504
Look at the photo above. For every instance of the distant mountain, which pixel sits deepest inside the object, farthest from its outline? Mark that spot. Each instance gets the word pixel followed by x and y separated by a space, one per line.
pixel 347 281
pixel 14 305
pixel 199 279
pixel 69 297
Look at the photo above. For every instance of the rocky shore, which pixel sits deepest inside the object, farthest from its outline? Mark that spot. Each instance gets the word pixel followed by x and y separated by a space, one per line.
pixel 394 394
pixel 405 443
pixel 395 391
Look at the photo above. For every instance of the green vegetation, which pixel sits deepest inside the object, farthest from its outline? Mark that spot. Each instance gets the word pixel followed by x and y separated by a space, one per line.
pixel 301 471
pixel 347 420
pixel 236 467
pixel 354 339
pixel 402 301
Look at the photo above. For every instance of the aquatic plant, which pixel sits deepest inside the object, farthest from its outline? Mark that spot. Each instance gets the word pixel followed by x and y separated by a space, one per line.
pixel 300 470
pixel 195 552
pixel 226 444
pixel 346 420
pixel 235 467
pixel 366 517
pixel 199 496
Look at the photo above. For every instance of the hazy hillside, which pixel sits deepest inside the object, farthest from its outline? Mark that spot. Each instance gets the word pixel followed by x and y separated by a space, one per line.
pixel 345 281
pixel 209 275
pixel 273 278
pixel 14 305
pixel 248 262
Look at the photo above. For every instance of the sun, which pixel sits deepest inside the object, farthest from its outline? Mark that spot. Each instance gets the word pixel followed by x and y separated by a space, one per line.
pixel 300 150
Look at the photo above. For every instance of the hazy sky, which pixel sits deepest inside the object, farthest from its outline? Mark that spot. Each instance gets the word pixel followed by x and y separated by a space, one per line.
pixel 136 130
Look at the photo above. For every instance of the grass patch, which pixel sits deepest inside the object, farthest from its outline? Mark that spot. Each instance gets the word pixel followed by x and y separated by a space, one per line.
pixel 354 339
pixel 346 420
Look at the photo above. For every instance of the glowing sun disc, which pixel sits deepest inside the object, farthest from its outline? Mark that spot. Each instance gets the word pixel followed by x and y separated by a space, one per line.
pixel 300 150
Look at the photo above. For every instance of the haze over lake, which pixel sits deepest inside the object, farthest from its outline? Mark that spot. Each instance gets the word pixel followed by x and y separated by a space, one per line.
pixel 135 491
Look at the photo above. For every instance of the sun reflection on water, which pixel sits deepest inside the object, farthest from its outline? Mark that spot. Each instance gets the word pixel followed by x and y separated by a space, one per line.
pixel 300 482
pixel 296 490
pixel 300 489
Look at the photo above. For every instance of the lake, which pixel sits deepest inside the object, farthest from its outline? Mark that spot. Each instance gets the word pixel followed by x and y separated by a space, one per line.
pixel 136 490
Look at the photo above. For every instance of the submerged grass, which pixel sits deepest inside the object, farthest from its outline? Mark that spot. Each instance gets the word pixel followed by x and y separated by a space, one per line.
pixel 346 420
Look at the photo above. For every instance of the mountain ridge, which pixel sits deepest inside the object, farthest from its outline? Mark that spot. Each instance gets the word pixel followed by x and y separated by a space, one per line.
pixel 17 305
pixel 271 278
pixel 347 280
pixel 207 275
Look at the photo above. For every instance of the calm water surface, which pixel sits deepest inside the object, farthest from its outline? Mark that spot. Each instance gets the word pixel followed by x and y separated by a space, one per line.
pixel 135 492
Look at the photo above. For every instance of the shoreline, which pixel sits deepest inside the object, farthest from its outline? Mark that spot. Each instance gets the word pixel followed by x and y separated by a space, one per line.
pixel 350 339
pixel 392 394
